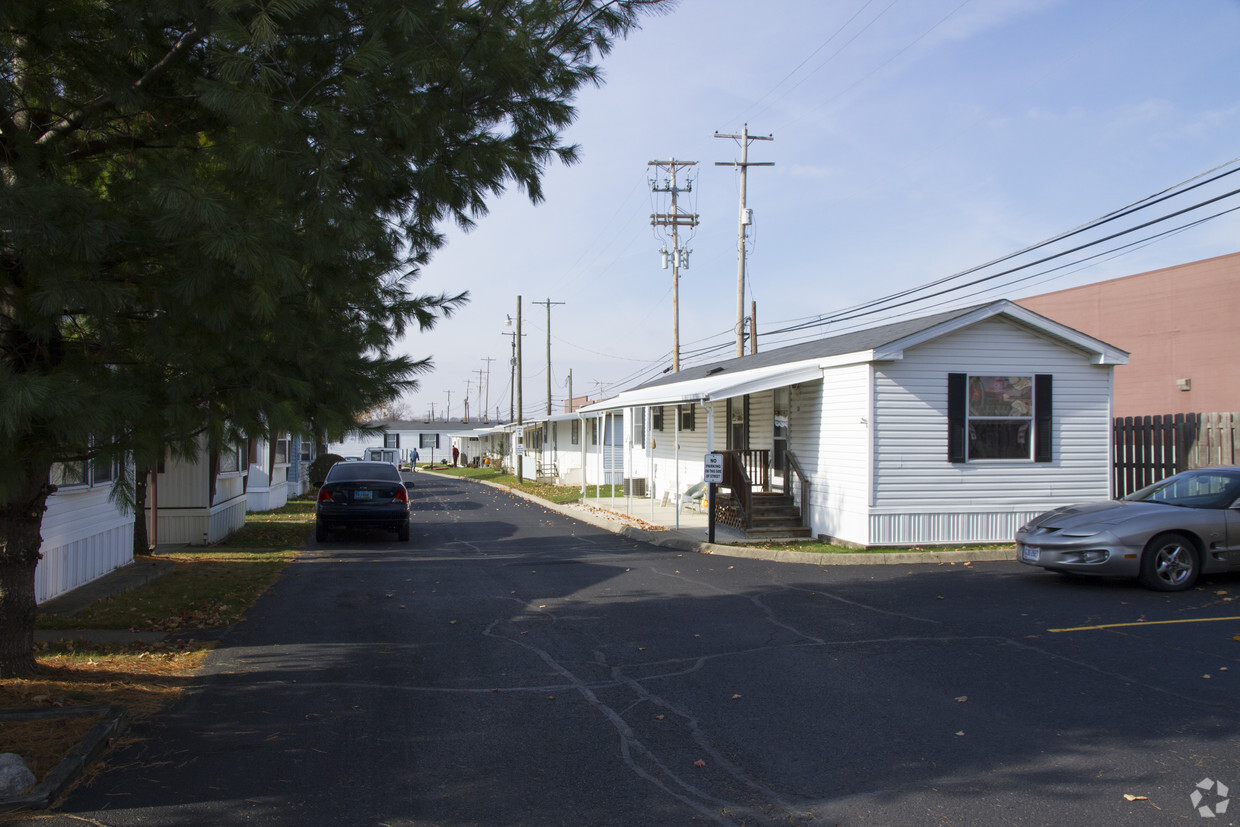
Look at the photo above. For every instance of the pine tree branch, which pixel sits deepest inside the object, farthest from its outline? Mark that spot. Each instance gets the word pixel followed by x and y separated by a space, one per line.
pixel 74 121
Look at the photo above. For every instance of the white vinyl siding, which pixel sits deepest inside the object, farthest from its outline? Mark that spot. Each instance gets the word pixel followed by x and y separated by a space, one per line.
pixel 921 497
pixel 85 536
pixel 829 425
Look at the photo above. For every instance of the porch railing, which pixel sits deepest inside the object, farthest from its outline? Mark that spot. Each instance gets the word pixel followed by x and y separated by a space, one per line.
pixel 792 466
pixel 736 478
pixel 757 465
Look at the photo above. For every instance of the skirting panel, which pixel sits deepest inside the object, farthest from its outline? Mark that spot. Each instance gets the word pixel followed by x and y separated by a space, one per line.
pixel 939 528
pixel 69 566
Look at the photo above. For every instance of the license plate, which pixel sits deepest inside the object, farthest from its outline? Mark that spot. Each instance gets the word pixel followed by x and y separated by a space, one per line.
pixel 363 495
pixel 1030 553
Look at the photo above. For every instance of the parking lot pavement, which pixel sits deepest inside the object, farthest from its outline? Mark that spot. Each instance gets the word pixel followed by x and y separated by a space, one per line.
pixel 512 666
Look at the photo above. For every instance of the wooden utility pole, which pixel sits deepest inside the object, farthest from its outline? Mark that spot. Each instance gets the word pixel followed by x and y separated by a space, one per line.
pixel 745 219
pixel 520 421
pixel 486 408
pixel 548 303
pixel 753 326
pixel 674 219
pixel 512 374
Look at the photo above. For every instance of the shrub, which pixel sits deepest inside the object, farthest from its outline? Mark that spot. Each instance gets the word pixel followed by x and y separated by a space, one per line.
pixel 320 467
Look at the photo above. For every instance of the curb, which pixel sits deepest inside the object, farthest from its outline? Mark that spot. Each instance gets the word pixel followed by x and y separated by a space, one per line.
pixel 70 767
pixel 670 539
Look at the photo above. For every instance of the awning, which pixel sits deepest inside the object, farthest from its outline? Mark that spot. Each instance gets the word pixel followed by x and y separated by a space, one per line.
pixel 722 385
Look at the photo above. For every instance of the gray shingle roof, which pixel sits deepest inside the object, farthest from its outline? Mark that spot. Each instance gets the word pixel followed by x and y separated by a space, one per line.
pixel 850 342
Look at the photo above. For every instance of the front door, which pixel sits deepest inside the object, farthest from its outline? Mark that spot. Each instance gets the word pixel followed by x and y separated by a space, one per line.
pixel 738 424
pixel 783 399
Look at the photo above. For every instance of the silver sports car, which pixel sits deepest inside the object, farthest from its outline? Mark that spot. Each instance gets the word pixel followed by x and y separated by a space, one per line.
pixel 1164 535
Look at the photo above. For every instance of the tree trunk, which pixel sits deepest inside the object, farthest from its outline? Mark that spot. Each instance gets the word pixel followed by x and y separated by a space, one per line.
pixel 19 554
pixel 141 542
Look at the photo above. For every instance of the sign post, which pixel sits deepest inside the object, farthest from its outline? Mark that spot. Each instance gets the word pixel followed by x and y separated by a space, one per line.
pixel 712 473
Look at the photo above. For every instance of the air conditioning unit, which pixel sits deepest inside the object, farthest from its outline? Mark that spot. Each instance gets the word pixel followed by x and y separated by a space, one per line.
pixel 635 486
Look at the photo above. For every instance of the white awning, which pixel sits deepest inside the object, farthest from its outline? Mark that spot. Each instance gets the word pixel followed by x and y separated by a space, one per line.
pixel 722 385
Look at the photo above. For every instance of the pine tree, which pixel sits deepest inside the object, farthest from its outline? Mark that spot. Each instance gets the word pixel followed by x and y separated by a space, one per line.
pixel 212 213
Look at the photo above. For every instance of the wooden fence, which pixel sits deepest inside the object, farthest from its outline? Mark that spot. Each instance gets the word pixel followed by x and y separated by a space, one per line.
pixel 1151 448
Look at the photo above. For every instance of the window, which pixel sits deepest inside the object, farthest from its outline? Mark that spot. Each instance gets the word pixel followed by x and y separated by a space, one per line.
pixel 103 469
pixel 688 418
pixel 230 459
pixel 282 451
pixel 656 418
pixel 999 417
pixel 428 440
pixel 575 434
pixel 639 431
pixel 66 474
pixel 306 452
pixel 391 440
pixel 594 432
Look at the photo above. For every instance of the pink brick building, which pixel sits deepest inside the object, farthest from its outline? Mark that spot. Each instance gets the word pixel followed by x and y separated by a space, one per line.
pixel 1181 326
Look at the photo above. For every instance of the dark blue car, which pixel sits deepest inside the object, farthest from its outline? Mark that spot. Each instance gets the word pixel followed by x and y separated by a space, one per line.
pixel 362 495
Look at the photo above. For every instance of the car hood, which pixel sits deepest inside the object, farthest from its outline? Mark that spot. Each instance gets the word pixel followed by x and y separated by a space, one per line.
pixel 1102 513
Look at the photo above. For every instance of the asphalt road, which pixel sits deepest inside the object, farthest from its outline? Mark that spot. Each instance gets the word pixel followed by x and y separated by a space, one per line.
pixel 512 666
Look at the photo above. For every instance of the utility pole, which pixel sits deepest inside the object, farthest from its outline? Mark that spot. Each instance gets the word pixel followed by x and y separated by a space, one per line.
pixel 753 326
pixel 512 373
pixel 570 391
pixel 485 402
pixel 674 219
pixel 520 422
pixel 467 384
pixel 548 303
pixel 447 414
pixel 746 218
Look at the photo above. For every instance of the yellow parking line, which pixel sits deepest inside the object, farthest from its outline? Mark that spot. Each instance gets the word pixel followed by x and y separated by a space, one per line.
pixel 1143 623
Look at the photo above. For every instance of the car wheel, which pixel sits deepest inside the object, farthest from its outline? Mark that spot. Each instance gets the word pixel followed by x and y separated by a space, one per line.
pixel 320 533
pixel 402 532
pixel 1170 563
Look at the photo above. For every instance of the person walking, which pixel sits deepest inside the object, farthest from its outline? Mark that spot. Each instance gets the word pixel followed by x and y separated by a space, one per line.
pixel 456 453
pixel 413 460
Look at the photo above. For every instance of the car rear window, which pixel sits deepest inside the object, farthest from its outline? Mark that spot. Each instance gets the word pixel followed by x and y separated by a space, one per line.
pixel 352 471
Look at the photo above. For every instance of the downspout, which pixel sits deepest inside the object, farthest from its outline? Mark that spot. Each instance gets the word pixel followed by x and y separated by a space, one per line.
pixel 628 465
pixel 581 439
pixel 676 466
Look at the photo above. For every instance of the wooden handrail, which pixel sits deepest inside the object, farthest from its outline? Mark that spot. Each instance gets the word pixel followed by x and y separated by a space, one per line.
pixel 792 465
pixel 736 478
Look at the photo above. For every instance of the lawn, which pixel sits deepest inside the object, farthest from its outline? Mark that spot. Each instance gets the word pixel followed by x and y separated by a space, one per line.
pixel 542 490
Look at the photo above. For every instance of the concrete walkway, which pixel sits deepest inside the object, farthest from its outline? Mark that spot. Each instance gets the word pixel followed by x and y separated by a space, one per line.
pixel 656 524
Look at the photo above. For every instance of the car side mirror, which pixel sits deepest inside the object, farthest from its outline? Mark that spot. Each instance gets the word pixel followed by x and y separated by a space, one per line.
pixel 409 486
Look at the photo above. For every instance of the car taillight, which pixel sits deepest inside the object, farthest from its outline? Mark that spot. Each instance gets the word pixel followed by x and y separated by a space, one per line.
pixel 402 496
pixel 324 495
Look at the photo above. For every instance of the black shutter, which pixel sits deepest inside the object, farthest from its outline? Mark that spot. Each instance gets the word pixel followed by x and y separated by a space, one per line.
pixel 957 416
pixel 1042 413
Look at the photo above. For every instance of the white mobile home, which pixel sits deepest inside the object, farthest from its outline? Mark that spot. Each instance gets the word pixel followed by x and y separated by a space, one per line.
pixel 85 533
pixel 202 501
pixel 950 428
pixel 432 438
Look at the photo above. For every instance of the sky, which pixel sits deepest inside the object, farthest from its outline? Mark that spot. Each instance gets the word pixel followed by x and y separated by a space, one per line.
pixel 912 140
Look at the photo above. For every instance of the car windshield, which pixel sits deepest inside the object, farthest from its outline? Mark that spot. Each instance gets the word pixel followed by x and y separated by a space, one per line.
pixel 354 471
pixel 1195 489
